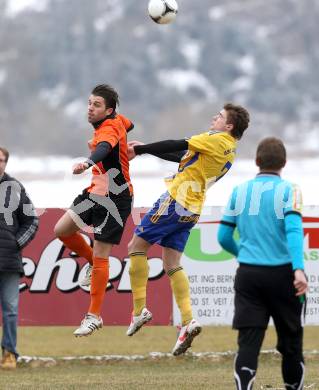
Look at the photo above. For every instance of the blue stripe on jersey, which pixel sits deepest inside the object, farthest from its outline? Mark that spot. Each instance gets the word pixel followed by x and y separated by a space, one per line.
pixel 190 162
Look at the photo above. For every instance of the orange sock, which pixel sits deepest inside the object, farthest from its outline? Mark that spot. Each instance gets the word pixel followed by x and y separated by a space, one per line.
pixel 77 244
pixel 100 278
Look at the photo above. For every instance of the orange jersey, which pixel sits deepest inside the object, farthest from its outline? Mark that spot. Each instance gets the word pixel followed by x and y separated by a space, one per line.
pixel 111 176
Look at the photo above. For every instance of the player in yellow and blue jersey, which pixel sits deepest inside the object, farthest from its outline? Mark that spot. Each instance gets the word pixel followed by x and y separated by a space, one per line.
pixel 203 159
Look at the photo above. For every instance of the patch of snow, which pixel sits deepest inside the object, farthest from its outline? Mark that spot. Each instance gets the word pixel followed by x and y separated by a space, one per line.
pixel 216 13
pixel 115 11
pixel 53 96
pixel 289 67
pixel 243 83
pixel 14 7
pixel 3 76
pixel 247 64
pixel 184 79
pixel 75 108
pixel 191 50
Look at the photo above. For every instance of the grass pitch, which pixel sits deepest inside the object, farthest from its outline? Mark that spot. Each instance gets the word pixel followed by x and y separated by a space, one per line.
pixel 162 372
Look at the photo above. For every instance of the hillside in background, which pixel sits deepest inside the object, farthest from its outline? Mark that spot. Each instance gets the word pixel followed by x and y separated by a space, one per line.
pixel 171 79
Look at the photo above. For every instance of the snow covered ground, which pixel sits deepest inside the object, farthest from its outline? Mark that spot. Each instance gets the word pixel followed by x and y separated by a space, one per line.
pixel 50 183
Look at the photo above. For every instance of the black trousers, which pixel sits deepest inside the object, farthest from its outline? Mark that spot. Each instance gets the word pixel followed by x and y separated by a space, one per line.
pixel 261 293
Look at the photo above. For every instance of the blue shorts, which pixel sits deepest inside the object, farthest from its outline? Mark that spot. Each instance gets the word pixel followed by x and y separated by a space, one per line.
pixel 167 224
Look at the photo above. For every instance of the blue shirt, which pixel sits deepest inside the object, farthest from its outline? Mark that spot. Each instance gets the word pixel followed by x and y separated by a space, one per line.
pixel 267 213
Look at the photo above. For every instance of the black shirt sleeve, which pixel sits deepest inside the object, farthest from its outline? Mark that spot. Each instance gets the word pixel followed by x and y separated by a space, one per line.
pixel 173 156
pixel 99 154
pixel 162 147
pixel 130 128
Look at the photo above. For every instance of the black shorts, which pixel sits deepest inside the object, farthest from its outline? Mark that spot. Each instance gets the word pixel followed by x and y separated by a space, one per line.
pixel 262 292
pixel 106 214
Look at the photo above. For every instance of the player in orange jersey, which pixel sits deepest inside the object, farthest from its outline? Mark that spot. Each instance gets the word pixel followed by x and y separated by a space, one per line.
pixel 105 204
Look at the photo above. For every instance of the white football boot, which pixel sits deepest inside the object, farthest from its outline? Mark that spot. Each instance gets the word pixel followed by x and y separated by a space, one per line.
pixel 138 321
pixel 186 337
pixel 86 281
pixel 89 324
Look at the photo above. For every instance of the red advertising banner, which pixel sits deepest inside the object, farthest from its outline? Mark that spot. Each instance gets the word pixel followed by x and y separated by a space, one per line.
pixel 50 292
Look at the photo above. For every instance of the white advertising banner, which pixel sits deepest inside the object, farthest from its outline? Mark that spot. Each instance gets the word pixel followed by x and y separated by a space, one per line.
pixel 211 270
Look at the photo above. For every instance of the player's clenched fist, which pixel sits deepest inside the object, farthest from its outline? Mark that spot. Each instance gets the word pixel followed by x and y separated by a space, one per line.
pixel 80 168
pixel 130 151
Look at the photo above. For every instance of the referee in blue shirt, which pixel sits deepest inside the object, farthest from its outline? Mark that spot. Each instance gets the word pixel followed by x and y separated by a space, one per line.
pixel 270 279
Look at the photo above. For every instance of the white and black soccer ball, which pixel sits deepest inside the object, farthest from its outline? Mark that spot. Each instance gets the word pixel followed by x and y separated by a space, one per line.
pixel 163 11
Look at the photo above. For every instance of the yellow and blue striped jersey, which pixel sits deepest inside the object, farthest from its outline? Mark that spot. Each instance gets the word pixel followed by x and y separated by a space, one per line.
pixel 209 157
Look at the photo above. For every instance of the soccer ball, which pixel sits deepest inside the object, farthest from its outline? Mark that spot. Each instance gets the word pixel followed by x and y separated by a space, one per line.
pixel 162 11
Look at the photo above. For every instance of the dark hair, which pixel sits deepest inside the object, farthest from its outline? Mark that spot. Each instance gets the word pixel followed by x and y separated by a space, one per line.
pixel 110 96
pixel 238 116
pixel 5 152
pixel 271 154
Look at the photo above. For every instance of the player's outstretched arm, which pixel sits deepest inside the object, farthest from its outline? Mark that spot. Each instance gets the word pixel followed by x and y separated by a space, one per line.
pixel 100 153
pixel 171 150
pixel 173 156
pixel 166 146
pixel 130 149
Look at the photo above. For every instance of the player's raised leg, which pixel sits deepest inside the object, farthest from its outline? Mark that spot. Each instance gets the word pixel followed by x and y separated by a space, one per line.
pixel 67 231
pixel 139 269
pixel 180 286
pixel 100 276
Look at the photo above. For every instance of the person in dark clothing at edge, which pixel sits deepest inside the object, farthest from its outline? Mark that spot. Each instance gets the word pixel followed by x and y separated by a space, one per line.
pixel 18 226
